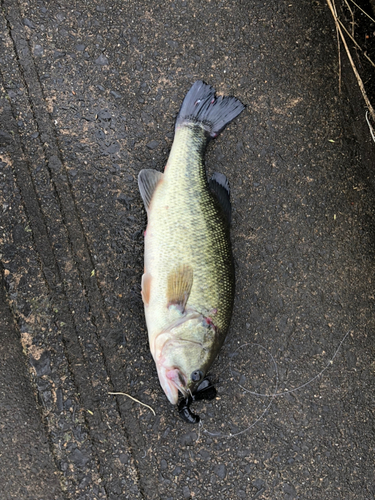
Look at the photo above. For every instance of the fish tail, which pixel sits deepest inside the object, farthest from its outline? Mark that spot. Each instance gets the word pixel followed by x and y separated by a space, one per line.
pixel 200 106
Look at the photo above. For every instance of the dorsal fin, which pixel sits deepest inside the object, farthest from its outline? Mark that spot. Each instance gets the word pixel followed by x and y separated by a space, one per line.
pixel 148 179
pixel 219 185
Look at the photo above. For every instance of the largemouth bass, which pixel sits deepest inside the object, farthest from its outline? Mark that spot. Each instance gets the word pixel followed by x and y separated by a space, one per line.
pixel 188 280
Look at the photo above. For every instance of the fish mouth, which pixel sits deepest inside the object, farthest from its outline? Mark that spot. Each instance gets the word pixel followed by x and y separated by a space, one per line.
pixel 172 380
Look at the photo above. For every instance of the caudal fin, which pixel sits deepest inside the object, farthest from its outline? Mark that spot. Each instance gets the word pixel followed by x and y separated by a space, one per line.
pixel 213 113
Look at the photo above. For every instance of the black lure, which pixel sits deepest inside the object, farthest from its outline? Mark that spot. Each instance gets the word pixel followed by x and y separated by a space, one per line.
pixel 204 391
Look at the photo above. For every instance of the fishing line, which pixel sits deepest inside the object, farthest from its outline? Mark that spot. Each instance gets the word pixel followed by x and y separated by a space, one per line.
pixel 267 407
pixel 330 363
pixel 275 393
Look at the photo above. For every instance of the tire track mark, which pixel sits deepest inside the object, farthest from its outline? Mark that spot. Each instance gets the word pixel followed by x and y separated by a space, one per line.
pixel 73 242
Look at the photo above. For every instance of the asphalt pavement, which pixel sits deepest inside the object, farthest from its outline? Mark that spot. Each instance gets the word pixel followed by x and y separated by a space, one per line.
pixel 89 92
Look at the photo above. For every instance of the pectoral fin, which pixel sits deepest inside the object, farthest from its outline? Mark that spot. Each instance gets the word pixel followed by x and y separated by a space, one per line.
pixel 148 179
pixel 146 287
pixel 179 286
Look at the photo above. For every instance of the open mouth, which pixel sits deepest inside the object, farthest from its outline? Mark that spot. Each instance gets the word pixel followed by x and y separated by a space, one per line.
pixel 172 382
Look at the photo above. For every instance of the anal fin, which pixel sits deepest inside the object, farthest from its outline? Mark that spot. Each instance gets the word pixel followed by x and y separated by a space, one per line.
pixel 148 179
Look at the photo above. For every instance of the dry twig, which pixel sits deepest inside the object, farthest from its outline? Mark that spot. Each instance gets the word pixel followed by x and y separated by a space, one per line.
pixel 131 397
pixel 360 8
pixel 332 7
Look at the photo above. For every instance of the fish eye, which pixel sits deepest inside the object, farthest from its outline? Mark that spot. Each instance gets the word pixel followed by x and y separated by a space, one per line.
pixel 196 376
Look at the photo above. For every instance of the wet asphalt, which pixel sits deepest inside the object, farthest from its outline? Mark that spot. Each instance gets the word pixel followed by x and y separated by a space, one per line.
pixel 89 92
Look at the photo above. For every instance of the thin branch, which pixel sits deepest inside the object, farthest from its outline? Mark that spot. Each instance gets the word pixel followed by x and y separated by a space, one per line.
pixel 352 14
pixel 131 397
pixel 360 8
pixel 356 44
pixel 370 127
pixel 359 79
pixel 338 49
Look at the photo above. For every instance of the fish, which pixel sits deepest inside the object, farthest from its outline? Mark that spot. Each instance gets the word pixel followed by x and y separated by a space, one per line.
pixel 188 280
